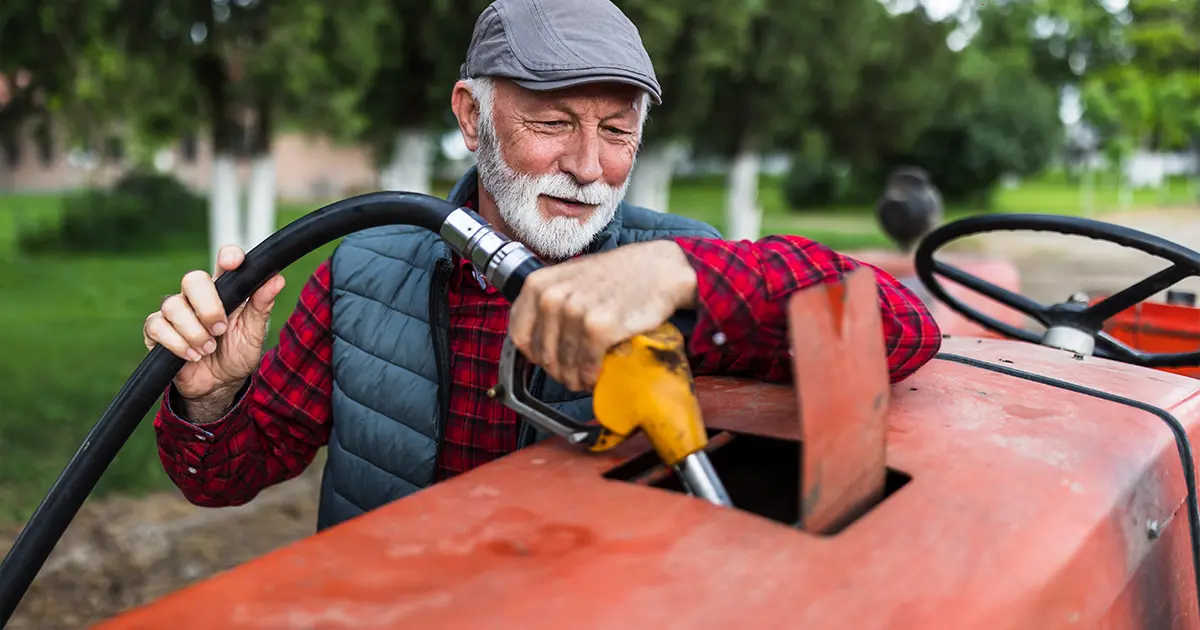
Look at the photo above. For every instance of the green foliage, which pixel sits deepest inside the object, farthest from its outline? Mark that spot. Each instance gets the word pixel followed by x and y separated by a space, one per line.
pixel 999 121
pixel 967 119
pixel 900 86
pixel 179 66
pixel 421 47
pixel 690 41
pixel 1149 96
pixel 312 61
pixel 143 212
pixel 42 46
pixel 869 81
pixel 816 178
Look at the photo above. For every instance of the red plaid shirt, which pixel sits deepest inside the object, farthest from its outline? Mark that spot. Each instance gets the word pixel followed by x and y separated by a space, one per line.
pixel 283 416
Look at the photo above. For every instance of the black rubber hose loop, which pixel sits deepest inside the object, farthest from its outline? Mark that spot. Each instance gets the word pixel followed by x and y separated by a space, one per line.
pixel 145 387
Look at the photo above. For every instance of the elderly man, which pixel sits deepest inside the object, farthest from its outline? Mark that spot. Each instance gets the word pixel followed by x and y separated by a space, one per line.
pixel 395 341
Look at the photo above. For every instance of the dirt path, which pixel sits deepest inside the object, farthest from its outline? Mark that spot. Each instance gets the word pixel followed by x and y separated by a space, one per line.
pixel 125 552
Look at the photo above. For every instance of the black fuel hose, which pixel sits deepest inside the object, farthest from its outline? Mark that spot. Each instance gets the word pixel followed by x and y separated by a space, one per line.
pixel 147 383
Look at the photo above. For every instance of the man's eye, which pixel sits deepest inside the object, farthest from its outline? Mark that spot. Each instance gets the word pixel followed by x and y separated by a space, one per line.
pixel 552 123
pixel 618 131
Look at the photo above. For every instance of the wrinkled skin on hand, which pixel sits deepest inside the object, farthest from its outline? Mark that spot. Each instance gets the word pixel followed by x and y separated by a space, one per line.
pixel 570 314
pixel 221 351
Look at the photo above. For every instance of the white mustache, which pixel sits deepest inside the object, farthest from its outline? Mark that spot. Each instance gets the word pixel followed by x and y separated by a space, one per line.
pixel 564 186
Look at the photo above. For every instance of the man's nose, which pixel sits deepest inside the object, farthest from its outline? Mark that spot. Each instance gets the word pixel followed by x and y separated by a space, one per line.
pixel 582 159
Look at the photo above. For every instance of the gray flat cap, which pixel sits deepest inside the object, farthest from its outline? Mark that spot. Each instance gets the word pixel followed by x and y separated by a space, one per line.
pixel 553 44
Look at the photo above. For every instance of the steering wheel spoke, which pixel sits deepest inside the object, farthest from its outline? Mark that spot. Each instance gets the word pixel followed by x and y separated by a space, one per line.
pixel 1096 314
pixel 999 294
pixel 1110 347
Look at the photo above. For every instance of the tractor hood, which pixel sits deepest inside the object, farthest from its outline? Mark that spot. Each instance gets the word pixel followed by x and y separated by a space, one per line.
pixel 1011 502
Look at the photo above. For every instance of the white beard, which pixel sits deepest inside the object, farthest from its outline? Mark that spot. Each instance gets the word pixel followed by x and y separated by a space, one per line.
pixel 516 196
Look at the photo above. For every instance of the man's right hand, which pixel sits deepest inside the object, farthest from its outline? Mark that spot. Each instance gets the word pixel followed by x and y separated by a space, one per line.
pixel 221 351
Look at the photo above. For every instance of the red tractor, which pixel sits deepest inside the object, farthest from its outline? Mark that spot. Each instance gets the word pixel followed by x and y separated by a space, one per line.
pixel 1042 481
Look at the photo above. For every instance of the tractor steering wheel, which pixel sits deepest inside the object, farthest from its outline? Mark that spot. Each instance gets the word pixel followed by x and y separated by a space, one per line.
pixel 1072 325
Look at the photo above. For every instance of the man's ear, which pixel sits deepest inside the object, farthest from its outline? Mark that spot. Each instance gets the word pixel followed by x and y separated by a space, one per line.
pixel 466 110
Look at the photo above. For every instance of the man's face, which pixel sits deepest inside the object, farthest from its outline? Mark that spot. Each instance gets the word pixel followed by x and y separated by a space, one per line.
pixel 557 164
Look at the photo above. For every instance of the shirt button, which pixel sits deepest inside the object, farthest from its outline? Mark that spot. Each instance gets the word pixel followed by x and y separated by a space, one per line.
pixel 191 470
pixel 719 338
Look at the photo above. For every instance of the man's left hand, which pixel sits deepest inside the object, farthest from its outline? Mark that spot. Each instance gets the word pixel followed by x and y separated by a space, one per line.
pixel 568 315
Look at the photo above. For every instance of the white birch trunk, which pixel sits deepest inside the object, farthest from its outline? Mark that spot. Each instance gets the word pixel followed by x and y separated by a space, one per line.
pixel 224 216
pixel 650 185
pixel 743 218
pixel 411 166
pixel 260 200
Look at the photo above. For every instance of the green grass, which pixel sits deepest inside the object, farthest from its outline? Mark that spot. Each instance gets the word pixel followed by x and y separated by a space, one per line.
pixel 70 328
pixel 70 335
pixel 21 212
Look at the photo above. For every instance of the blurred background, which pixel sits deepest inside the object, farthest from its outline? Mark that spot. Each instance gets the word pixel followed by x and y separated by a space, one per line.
pixel 135 137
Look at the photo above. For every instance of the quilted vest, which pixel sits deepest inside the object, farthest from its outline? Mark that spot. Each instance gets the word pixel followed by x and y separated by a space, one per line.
pixel 391 357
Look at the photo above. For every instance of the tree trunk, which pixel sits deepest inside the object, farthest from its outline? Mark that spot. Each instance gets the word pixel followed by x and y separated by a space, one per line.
pixel 410 168
pixel 743 218
pixel 224 220
pixel 262 190
pixel 650 186
pixel 208 68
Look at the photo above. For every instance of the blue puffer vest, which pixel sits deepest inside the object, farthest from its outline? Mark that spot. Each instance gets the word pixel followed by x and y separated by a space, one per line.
pixel 391 356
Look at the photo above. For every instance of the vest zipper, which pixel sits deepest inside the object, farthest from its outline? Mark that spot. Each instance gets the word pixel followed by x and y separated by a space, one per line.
pixel 439 317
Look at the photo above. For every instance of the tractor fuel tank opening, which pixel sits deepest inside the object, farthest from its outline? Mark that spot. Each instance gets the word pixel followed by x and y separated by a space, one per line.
pixel 762 475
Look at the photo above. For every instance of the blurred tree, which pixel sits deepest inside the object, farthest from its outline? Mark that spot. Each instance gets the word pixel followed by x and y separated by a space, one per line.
pixel 1164 41
pixel 998 119
pixel 1149 98
pixel 302 64
pixel 801 57
pixel 689 41
pixel 900 87
pixel 967 118
pixel 904 78
pixel 407 103
pixel 239 68
pixel 1060 39
pixel 41 47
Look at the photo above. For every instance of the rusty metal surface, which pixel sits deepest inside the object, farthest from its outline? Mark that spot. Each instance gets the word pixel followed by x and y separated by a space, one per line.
pixel 841 385
pixel 1002 273
pixel 1028 508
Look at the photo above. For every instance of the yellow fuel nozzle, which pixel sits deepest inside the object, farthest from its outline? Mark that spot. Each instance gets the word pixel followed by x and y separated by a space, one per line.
pixel 645 383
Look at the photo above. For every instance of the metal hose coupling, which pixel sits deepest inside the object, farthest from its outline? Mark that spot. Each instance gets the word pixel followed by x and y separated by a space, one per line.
pixel 504 262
